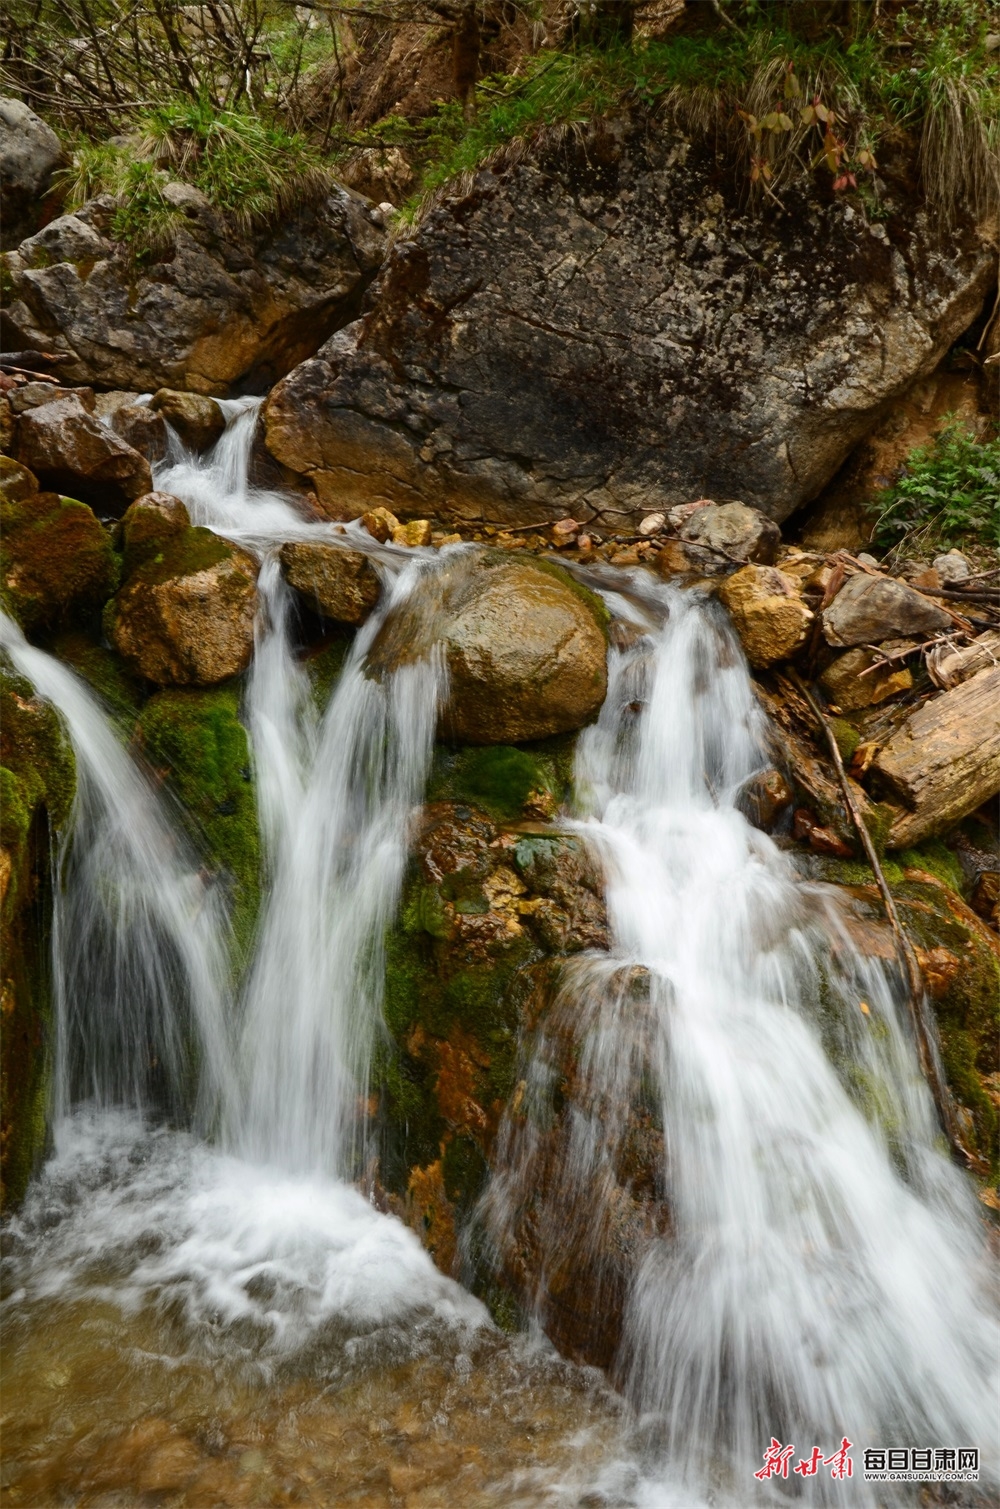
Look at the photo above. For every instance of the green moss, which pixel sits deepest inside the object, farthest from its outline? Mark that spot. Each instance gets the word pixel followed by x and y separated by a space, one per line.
pixel 196 739
pixel 879 824
pixel 501 778
pixel 6 278
pixel 58 560
pixel 847 738
pixel 498 777
pixel 937 859
pixel 465 1171
pixel 326 666
pixel 37 782
pixel 183 554
pixel 855 872
pixel 104 673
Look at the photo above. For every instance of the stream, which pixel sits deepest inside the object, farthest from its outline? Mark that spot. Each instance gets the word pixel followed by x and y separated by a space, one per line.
pixel 202 1308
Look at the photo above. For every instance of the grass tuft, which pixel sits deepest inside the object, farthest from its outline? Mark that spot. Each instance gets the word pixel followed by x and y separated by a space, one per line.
pixel 251 170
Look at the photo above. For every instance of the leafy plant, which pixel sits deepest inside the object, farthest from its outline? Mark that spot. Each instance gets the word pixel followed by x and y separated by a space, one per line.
pixel 949 490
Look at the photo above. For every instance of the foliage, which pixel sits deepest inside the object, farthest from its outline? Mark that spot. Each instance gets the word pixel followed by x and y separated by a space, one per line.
pixel 949 490
pixel 806 102
pixel 92 64
pixel 250 169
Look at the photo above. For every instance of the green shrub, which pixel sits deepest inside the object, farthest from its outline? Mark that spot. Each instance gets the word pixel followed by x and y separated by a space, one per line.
pixel 949 491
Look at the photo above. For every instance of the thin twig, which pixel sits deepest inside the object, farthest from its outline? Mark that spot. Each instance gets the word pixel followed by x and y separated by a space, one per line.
pixel 923 1029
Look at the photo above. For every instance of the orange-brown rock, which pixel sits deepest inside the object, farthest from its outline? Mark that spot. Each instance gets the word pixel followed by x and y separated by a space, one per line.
pixel 185 615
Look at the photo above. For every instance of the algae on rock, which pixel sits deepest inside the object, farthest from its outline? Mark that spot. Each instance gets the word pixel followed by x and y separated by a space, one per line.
pixel 38 779
pixel 194 739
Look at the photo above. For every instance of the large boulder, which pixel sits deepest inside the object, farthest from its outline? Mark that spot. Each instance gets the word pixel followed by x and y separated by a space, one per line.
pixel 30 152
pixel 57 560
pixel 68 448
pixel 204 315
pixel 339 584
pixel 525 647
pixel 587 333
pixel 185 614
pixel 868 609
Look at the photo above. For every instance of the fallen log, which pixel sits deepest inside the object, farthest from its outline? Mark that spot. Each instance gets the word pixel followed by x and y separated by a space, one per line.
pixel 945 760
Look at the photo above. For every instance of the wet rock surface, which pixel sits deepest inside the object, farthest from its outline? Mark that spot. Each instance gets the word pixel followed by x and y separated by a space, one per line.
pixel 71 450
pixel 207 314
pixel 342 585
pixel 585 334
pixel 57 560
pixel 37 781
pixel 492 914
pixel 184 616
pixel 525 647
pixel 198 420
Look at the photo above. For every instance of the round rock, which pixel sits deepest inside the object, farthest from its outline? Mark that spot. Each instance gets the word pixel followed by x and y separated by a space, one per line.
pixel 525 645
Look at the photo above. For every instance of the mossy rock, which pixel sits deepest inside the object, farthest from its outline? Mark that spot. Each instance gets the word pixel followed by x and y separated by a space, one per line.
pixel 104 672
pixel 960 958
pixel 486 917
pixel 37 785
pixel 507 781
pixel 325 664
pixel 58 560
pixel 195 740
pixel 185 614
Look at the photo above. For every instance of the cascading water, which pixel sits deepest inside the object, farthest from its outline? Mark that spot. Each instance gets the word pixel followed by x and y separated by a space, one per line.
pixel 821 1271
pixel 140 962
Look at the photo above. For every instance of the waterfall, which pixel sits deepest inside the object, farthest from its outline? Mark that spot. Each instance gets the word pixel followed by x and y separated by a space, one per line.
pixel 256 1228
pixel 141 969
pixel 336 804
pixel 822 1271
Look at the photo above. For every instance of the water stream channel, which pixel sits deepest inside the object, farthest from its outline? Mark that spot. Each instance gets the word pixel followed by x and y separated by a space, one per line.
pixel 202 1308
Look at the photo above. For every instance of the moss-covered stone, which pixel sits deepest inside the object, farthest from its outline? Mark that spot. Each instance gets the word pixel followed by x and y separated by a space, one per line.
pixel 103 672
pixel 194 739
pixel 148 527
pixel 37 783
pixel 484 915
pixel 185 615
pixel 507 781
pixel 58 561
pixel 960 960
pixel 325 665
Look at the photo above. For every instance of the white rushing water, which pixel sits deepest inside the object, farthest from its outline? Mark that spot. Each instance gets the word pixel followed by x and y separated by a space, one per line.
pixel 142 973
pixel 823 1273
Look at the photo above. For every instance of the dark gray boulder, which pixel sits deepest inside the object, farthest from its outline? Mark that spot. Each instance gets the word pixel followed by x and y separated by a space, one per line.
pixel 30 152
pixel 603 330
pixel 211 312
